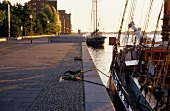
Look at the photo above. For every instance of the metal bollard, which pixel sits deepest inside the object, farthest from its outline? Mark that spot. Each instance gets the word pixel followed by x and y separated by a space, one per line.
pixel 48 38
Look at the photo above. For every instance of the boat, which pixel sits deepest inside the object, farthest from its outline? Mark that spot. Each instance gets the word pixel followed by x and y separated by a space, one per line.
pixel 95 38
pixel 140 73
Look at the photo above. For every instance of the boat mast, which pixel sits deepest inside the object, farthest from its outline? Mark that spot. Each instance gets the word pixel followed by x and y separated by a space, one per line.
pixel 96 15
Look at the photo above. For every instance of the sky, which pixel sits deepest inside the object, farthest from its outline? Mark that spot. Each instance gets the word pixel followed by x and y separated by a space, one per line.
pixel 109 13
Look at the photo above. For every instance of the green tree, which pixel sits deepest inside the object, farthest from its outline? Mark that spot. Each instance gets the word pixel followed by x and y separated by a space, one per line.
pixel 47 10
pixel 43 19
pixel 15 29
pixel 2 17
pixel 38 29
pixel 26 20
pixel 16 19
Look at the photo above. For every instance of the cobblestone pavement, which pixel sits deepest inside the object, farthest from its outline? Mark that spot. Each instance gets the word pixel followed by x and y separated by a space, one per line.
pixel 29 75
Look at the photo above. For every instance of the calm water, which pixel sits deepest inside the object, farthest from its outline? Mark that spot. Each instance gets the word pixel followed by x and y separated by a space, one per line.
pixel 102 58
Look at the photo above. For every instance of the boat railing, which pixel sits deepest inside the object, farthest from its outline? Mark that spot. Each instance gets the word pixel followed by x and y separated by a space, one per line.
pixel 121 88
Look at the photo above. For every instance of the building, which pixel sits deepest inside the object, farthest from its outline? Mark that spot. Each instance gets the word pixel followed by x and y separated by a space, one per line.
pixel 68 23
pixel 37 5
pixel 65 22
pixel 62 19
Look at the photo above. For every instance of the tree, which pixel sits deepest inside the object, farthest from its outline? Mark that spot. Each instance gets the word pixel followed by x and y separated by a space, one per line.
pixel 15 29
pixel 47 10
pixel 38 29
pixel 2 17
pixel 57 22
pixel 16 19
pixel 43 19
pixel 26 20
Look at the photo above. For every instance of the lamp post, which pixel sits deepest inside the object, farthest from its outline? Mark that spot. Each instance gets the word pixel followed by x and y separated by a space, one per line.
pixel 21 30
pixel 31 27
pixel 48 30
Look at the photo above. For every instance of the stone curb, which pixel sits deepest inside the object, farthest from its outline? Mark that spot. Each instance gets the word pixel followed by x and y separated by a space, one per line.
pixel 96 96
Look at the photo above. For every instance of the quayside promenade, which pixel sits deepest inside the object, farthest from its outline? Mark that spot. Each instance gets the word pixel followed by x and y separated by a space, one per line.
pixel 30 73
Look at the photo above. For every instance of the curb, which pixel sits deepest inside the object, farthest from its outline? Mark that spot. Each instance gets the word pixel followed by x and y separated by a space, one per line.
pixel 96 96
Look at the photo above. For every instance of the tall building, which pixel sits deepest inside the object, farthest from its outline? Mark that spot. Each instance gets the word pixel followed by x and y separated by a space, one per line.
pixel 37 5
pixel 62 18
pixel 68 23
pixel 65 22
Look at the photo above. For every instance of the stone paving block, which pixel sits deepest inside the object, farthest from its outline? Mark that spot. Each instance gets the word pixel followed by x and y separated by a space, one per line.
pixel 32 89
pixel 9 106
pixel 99 106
pixel 92 73
pixel 89 87
pixel 24 105
pixel 97 97
pixel 93 79
pixel 2 95
pixel 22 95
pixel 24 99
pixel 6 99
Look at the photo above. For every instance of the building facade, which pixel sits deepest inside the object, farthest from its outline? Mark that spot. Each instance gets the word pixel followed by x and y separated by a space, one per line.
pixel 37 5
pixel 65 22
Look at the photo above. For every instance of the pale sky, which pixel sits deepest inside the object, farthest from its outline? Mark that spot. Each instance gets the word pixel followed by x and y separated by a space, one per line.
pixel 109 12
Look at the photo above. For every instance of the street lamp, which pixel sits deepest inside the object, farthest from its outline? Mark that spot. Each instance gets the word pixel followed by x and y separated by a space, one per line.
pixel 31 27
pixel 21 30
pixel 48 30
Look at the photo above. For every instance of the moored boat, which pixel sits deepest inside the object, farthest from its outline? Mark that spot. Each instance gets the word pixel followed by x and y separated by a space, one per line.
pixel 96 37
pixel 140 73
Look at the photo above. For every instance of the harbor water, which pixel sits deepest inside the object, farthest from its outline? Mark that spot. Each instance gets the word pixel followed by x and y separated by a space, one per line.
pixel 102 57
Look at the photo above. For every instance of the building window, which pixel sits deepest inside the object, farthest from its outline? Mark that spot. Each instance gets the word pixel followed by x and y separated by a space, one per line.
pixel 34 8
pixel 34 3
pixel 42 3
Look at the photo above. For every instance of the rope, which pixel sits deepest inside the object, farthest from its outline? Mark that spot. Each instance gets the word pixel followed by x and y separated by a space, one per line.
pixel 131 17
pixel 69 72
pixel 148 17
pixel 120 16
pixel 141 12
pixel 118 40
pixel 76 78
pixel 103 73
pixel 153 40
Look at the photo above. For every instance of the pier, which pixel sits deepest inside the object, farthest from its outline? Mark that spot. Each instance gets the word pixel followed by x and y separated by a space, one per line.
pixel 30 76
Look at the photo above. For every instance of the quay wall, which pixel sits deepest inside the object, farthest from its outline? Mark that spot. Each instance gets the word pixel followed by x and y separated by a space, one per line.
pixel 96 96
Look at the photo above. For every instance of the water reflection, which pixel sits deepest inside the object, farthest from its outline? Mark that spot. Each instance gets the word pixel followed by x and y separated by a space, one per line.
pixel 102 57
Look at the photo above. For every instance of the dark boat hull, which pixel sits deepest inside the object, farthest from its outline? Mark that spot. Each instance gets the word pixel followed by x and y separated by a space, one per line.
pixel 118 97
pixel 114 95
pixel 95 41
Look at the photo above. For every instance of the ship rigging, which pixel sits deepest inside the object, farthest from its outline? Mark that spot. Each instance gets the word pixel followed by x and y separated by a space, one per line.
pixel 141 70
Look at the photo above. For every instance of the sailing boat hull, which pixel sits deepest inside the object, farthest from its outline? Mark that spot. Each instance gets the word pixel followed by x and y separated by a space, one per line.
pixel 95 40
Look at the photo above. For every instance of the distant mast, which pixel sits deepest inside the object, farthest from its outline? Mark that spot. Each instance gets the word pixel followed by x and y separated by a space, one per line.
pixel 96 15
